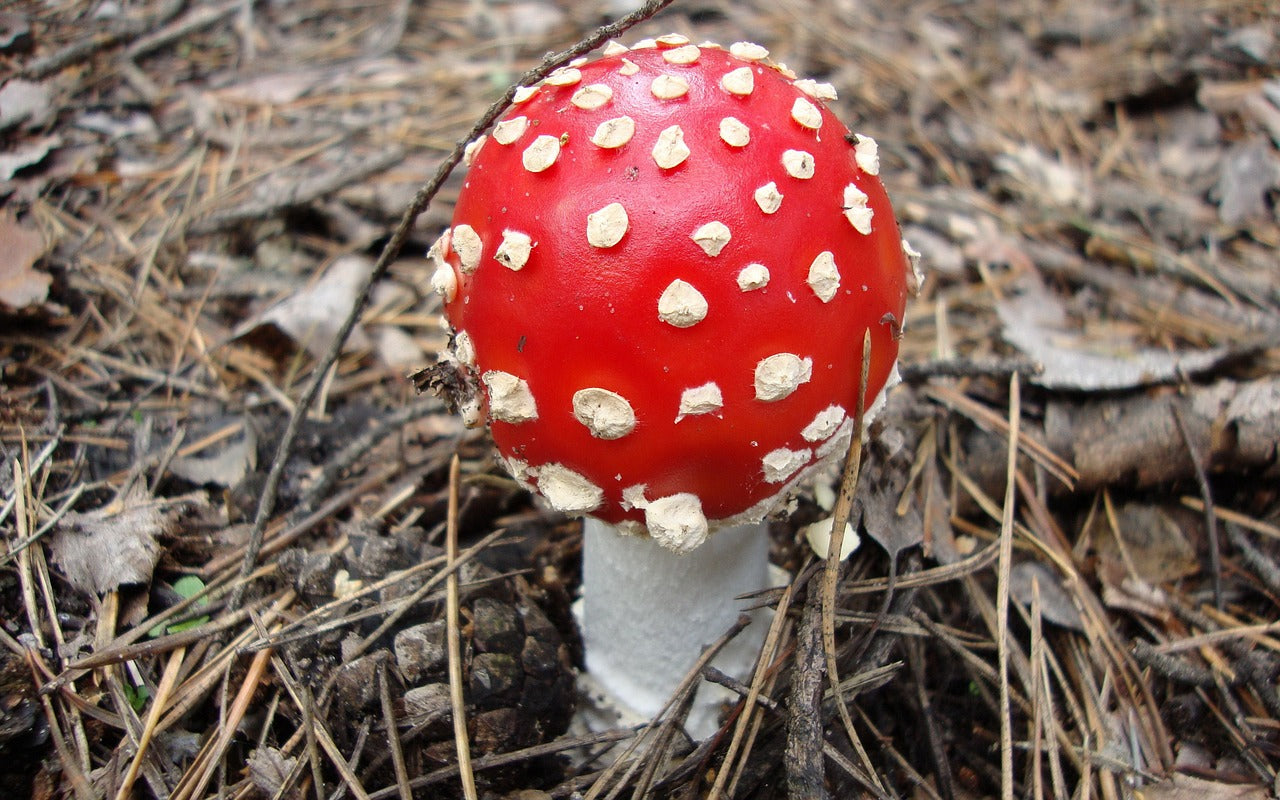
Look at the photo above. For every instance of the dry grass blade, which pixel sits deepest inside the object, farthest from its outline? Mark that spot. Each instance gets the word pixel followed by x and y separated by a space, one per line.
pixel 456 700
pixel 202 770
pixel 393 736
pixel 1039 452
pixel 167 681
pixel 749 712
pixel 831 572
pixel 1004 564
pixel 613 780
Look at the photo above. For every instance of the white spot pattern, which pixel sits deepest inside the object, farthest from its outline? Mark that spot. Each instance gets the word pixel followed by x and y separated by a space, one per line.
pixel 798 164
pixel 514 251
pixel 768 198
pixel 824 277
pixel 509 130
pixel 688 54
pixel 681 305
pixel 606 227
pixel 606 414
pixel 567 491
pixel 541 154
pixel 752 277
pixel 669 87
pixel 777 376
pixel 509 397
pixel 614 133
pixel 748 51
pixel 591 97
pixel 734 132
pixel 472 150
pixel 856 209
pixel 466 243
pixel 565 76
pixel 712 237
pixel 781 464
pixel 824 424
pixel 677 522
pixel 806 113
pixel 740 81
pixel 464 349
pixel 670 151
pixel 867 153
pixel 818 91
pixel 704 399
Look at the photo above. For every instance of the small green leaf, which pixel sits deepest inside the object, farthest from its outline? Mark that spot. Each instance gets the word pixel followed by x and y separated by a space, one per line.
pixel 137 696
pixel 186 587
pixel 189 586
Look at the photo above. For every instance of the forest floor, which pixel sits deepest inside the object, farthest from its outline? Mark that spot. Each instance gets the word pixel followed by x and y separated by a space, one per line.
pixel 196 194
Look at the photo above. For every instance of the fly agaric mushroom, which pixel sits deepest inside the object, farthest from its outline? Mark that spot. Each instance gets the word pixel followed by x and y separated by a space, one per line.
pixel 659 275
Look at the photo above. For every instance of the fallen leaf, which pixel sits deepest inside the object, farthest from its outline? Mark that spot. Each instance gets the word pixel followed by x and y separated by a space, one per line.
pixel 1055 600
pixel 30 154
pixel 269 769
pixel 1153 545
pixel 275 89
pixel 1043 179
pixel 15 31
pixel 1034 320
pixel 24 102
pixel 21 285
pixel 397 349
pixel 312 317
pixel 1250 171
pixel 227 463
pixel 881 521
pixel 109 547
pixel 1189 787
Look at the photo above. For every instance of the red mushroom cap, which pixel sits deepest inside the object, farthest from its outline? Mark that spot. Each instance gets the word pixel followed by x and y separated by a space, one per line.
pixel 659 274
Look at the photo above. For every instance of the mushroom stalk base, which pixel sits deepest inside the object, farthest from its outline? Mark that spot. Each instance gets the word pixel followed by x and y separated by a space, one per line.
pixel 647 613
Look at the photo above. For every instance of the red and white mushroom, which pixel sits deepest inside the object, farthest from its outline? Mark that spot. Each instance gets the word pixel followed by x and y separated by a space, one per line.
pixel 659 275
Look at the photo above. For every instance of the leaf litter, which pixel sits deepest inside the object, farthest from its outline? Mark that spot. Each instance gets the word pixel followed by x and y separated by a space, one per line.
pixel 1095 194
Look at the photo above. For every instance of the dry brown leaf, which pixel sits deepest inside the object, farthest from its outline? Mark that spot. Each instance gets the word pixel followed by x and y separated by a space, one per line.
pixel 109 547
pixel 312 316
pixel 1250 171
pixel 269 769
pixel 1035 321
pixel 1153 545
pixel 21 285
pixel 225 464
pixel 1055 601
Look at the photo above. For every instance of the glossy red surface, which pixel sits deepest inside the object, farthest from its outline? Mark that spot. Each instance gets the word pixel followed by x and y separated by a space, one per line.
pixel 578 316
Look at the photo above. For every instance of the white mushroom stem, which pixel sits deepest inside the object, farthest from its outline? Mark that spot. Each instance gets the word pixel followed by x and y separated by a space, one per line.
pixel 647 614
